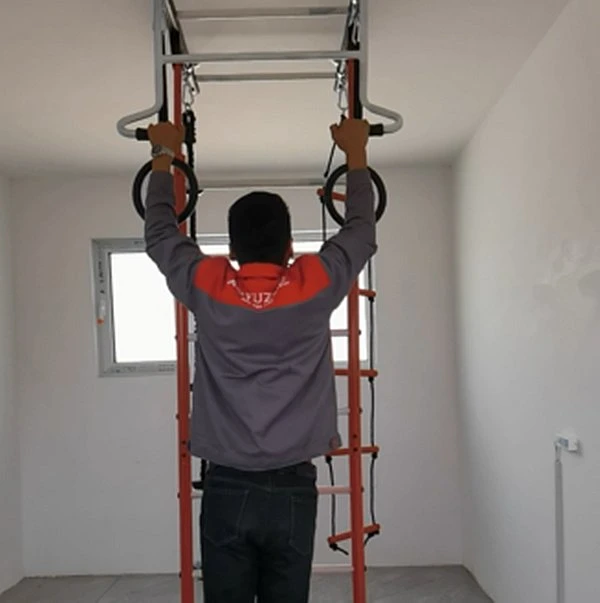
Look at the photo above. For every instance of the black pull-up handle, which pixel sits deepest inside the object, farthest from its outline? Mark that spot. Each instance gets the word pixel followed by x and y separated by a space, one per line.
pixel 141 134
pixel 376 130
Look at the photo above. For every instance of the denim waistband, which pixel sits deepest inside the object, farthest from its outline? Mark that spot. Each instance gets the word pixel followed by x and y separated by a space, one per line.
pixel 305 469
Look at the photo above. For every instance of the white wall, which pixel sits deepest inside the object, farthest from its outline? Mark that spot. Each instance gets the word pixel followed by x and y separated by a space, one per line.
pixel 11 556
pixel 98 455
pixel 528 221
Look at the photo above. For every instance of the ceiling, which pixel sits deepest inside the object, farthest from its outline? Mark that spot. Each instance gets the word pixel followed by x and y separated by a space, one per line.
pixel 71 68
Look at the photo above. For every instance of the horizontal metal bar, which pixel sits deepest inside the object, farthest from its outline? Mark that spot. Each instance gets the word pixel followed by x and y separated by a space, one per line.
pixel 260 183
pixel 266 77
pixel 261 13
pixel 238 57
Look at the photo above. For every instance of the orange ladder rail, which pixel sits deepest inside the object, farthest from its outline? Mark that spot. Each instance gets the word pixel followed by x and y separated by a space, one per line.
pixel 186 548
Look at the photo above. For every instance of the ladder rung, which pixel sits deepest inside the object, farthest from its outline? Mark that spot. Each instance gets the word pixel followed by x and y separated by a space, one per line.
pixel 335 196
pixel 367 293
pixel 363 373
pixel 266 77
pixel 371 529
pixel 244 57
pixel 339 332
pixel 261 13
pixel 363 450
pixel 260 183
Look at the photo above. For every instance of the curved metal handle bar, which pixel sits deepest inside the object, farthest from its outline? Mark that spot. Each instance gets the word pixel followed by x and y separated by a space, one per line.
pixel 123 123
pixel 159 60
pixel 396 118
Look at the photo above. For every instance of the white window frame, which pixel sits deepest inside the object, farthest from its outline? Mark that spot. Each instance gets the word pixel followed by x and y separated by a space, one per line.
pixel 103 305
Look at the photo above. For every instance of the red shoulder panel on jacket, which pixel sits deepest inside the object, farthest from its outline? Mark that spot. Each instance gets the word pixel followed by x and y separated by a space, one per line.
pixel 262 286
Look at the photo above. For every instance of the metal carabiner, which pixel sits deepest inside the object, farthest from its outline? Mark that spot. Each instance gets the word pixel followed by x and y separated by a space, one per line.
pixel 343 99
pixel 341 85
pixel 190 87
pixel 354 21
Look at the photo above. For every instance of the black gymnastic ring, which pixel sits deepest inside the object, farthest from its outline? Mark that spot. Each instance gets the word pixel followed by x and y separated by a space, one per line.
pixel 331 182
pixel 192 193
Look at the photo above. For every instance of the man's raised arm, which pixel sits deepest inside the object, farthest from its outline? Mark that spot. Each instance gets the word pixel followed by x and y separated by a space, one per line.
pixel 346 253
pixel 175 254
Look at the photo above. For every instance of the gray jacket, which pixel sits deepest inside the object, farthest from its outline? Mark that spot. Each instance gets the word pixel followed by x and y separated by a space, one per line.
pixel 264 387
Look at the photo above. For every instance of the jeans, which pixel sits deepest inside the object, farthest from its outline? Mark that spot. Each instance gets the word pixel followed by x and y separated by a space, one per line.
pixel 257 534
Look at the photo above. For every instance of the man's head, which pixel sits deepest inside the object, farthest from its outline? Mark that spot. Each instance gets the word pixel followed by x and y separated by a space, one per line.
pixel 260 229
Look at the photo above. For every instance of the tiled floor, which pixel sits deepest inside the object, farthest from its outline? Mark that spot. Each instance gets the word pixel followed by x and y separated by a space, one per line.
pixel 406 585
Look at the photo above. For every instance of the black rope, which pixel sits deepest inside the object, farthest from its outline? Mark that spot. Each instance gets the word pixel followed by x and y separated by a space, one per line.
pixel 330 160
pixel 326 174
pixel 189 123
pixel 323 207
pixel 328 459
pixel 370 286
pixel 350 44
pixel 372 466
pixel 334 546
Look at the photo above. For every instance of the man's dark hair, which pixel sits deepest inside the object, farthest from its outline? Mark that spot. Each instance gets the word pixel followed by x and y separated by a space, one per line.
pixel 260 228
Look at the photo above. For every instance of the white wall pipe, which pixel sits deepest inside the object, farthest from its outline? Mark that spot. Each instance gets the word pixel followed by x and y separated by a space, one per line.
pixel 569 442
pixel 559 526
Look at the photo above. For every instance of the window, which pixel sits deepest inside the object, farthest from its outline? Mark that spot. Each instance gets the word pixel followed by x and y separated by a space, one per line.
pixel 135 313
